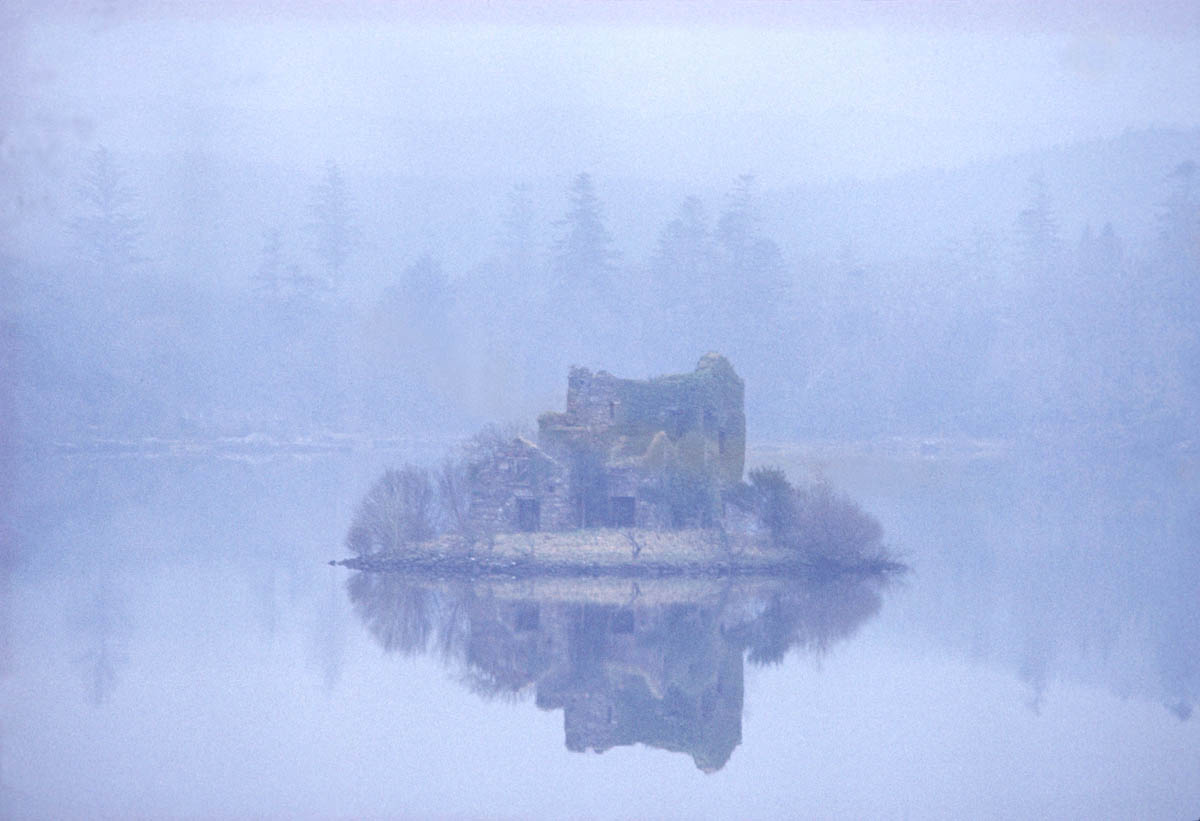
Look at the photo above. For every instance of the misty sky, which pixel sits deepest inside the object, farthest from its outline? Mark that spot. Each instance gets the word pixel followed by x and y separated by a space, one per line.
pixel 253 253
pixel 654 92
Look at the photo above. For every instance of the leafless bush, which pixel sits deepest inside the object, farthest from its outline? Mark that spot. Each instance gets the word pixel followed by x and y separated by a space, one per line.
pixel 815 521
pixel 397 511
pixel 492 438
pixel 401 616
pixel 830 526
pixel 454 495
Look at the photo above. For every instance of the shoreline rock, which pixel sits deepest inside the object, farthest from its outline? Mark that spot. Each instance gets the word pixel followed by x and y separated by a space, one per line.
pixel 440 565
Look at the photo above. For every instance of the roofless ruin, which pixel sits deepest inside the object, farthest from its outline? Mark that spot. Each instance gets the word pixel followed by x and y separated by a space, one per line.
pixel 626 453
pixel 635 477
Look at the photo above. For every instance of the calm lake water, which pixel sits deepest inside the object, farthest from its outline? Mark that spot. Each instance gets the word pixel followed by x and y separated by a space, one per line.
pixel 174 644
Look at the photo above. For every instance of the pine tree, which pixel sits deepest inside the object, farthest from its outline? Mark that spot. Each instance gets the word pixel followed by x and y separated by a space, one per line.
pixel 583 255
pixel 682 257
pixel 1179 215
pixel 737 227
pixel 108 231
pixel 1037 229
pixel 749 280
pixel 332 224
pixel 517 239
pixel 269 278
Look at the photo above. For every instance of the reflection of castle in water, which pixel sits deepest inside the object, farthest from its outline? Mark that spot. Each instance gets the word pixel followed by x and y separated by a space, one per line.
pixel 658 662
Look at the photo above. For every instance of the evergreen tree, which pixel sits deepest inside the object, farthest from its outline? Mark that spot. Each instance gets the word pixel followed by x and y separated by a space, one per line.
pixel 425 296
pixel 682 257
pixel 1178 269
pixel 583 255
pixel 753 263
pixel 737 227
pixel 676 304
pixel 747 286
pixel 410 365
pixel 108 230
pixel 270 275
pixel 1179 215
pixel 1037 230
pixel 332 224
pixel 1099 255
pixel 517 242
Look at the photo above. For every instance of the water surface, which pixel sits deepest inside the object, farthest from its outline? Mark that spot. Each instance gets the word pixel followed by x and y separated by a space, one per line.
pixel 175 645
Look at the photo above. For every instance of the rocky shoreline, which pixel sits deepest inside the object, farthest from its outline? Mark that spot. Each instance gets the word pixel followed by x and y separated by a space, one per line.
pixel 441 565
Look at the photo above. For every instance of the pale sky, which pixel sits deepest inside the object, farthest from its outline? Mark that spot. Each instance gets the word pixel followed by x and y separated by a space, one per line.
pixel 688 92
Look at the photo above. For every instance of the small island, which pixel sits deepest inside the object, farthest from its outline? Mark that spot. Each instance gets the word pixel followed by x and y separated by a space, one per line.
pixel 635 478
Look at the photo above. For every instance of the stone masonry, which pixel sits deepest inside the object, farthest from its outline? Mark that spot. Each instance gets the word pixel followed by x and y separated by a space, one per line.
pixel 613 436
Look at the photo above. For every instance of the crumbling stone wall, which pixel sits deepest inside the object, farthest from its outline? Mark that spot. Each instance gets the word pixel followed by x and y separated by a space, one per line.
pixel 592 400
pixel 512 472
pixel 693 705
pixel 602 462
pixel 701 412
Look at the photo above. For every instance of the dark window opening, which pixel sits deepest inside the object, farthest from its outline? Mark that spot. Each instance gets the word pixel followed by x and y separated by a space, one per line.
pixel 592 511
pixel 612 410
pixel 623 511
pixel 527 618
pixel 678 423
pixel 529 515
pixel 721 443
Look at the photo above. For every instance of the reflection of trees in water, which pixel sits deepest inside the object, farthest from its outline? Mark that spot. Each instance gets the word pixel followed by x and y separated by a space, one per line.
pixel 399 615
pixel 101 623
pixel 810 617
pixel 1066 569
pixel 656 662
pixel 327 636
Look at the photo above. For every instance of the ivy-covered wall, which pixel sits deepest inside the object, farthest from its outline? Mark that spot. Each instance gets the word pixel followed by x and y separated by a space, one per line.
pixel 703 409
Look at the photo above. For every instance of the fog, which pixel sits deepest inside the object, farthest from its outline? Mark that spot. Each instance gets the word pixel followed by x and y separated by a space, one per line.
pixel 250 257
pixel 885 222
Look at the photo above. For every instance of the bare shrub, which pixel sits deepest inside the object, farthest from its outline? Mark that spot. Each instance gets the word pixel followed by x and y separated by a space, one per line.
pixel 833 527
pixel 454 495
pixel 401 616
pixel 815 521
pixel 492 438
pixel 396 512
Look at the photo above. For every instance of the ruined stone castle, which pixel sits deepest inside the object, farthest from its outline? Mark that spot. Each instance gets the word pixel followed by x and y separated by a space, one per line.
pixel 605 461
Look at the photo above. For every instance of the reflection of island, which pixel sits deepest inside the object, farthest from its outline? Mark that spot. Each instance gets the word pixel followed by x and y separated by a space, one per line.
pixel 658 662
pixel 619 568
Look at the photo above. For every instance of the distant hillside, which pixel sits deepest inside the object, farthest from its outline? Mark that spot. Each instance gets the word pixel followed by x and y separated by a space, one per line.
pixel 1119 180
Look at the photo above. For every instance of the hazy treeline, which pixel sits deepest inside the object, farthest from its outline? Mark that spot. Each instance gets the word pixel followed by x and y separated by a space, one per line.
pixel 1031 325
